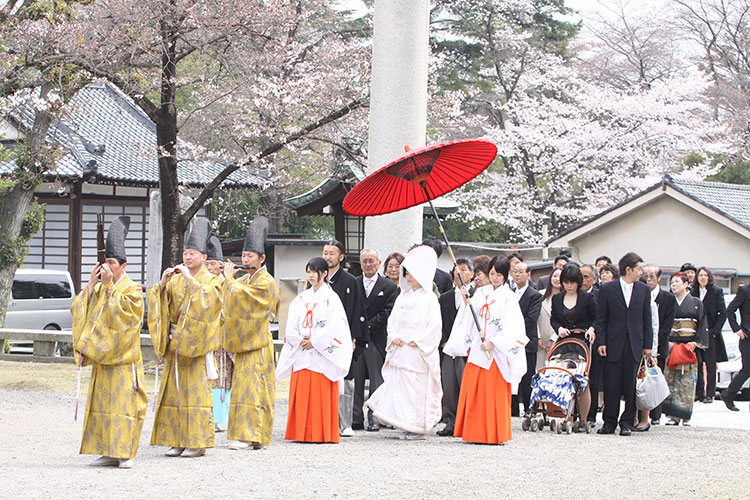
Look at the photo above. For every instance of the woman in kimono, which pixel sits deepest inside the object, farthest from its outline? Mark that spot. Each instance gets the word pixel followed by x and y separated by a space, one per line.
pixel 494 362
pixel 317 353
pixel 410 397
pixel 689 328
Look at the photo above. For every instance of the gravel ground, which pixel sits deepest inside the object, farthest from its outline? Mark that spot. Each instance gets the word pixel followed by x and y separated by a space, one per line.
pixel 40 460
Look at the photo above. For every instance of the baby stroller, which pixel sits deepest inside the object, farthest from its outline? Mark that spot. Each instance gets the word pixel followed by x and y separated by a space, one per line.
pixel 557 387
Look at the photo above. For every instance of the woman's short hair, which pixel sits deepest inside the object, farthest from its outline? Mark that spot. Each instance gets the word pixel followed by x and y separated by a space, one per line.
pixel 571 273
pixel 611 268
pixel 317 264
pixel 399 257
pixel 481 264
pixel 501 266
pixel 682 275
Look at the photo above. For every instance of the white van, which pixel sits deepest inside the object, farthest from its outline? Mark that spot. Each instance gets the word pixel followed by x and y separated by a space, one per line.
pixel 40 299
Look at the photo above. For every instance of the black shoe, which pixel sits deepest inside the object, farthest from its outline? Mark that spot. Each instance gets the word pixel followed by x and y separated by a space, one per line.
pixel 625 431
pixel 446 431
pixel 373 428
pixel 655 421
pixel 358 427
pixel 708 400
pixel 641 429
pixel 605 429
pixel 728 402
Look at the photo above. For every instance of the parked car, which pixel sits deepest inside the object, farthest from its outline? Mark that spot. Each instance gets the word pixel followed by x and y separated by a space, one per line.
pixel 40 299
pixel 727 369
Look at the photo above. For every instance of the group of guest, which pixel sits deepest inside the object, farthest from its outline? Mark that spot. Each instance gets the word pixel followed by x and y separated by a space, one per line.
pixel 433 345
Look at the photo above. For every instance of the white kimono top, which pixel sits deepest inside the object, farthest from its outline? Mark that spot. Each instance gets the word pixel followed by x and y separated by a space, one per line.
pixel 502 322
pixel 320 316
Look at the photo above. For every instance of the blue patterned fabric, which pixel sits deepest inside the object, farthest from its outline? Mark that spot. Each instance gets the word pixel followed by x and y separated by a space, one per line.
pixel 555 387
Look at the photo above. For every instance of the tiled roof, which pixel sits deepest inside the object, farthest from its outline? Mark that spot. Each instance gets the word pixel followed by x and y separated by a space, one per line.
pixel 104 126
pixel 731 200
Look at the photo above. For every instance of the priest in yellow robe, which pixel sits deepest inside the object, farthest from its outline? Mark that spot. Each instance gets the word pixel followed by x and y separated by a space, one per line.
pixel 250 302
pixel 107 317
pixel 184 322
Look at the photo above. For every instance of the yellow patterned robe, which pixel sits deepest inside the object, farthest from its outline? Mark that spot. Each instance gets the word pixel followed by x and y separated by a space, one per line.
pixel 184 418
pixel 107 334
pixel 249 304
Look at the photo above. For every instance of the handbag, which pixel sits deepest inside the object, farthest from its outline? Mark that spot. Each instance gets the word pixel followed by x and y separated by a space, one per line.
pixel 651 387
pixel 681 355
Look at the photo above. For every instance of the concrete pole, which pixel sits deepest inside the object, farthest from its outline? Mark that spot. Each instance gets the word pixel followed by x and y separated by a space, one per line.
pixel 398 108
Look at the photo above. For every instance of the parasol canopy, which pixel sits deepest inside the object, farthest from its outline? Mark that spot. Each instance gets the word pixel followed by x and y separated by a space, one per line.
pixel 421 175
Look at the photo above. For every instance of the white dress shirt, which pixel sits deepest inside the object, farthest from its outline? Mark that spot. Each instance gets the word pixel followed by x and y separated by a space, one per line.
pixel 521 291
pixel 627 291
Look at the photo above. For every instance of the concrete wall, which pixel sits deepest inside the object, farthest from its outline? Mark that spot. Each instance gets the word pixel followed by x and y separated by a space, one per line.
pixel 290 261
pixel 667 232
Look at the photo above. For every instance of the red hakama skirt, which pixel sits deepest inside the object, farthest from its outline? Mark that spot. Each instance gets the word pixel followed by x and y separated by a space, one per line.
pixel 483 414
pixel 313 408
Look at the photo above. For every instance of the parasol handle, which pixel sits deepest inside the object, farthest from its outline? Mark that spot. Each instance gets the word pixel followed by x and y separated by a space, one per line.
pixel 455 264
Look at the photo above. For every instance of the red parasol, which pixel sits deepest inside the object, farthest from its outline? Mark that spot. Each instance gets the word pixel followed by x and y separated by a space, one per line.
pixel 421 176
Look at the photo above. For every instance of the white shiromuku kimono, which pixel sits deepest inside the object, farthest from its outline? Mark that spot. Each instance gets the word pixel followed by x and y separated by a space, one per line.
pixel 321 316
pixel 501 320
pixel 411 394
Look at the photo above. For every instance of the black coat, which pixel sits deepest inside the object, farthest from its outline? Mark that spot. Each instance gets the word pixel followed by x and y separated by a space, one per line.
pixel 346 287
pixel 618 324
pixel 716 315
pixel 581 317
pixel 443 281
pixel 740 303
pixel 531 304
pixel 378 305
pixel 665 303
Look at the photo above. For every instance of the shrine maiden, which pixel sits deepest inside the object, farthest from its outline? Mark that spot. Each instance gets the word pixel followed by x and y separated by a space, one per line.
pixel 317 353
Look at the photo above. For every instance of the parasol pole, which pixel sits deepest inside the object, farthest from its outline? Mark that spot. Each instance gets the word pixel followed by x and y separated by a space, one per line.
pixel 453 258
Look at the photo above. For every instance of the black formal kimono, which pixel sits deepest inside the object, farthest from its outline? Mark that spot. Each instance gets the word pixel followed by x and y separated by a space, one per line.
pixel 346 287
pixel 368 366
pixel 665 303
pixel 716 315
pixel 625 330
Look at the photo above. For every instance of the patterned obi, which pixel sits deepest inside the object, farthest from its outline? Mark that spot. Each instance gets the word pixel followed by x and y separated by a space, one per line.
pixel 683 330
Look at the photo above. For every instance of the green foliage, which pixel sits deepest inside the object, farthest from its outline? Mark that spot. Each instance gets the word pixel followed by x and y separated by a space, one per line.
pixel 736 171
pixel 53 10
pixel 459 230
pixel 13 251
pixel 319 227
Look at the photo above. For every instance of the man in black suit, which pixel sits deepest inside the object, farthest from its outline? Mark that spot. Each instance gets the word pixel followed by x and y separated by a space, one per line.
pixel 345 286
pixel 530 302
pixel 624 335
pixel 380 294
pixel 665 303
pixel 442 280
pixel 452 368
pixel 740 302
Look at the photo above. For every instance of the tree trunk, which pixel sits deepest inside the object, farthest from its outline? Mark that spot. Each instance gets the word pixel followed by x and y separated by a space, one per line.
pixel 173 223
pixel 14 203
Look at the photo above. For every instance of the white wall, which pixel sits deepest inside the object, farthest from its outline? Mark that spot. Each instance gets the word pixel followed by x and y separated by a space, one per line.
pixel 667 232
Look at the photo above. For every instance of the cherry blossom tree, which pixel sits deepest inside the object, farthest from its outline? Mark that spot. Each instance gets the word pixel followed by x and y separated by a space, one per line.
pixel 258 76
pixel 570 143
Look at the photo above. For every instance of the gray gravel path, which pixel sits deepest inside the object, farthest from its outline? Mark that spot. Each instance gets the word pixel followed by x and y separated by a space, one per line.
pixel 40 460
